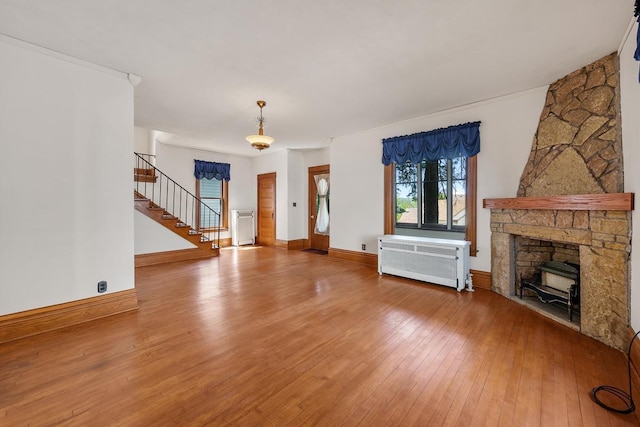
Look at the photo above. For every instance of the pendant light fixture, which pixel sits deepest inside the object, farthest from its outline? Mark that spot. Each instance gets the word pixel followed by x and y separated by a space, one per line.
pixel 260 141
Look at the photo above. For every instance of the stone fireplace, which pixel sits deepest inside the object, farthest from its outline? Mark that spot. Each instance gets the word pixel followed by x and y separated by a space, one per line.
pixel 571 203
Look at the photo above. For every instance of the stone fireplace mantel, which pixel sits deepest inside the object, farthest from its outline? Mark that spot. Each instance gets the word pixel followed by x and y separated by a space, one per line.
pixel 576 202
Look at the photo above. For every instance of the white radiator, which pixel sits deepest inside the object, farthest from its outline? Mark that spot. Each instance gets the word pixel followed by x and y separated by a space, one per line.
pixel 243 231
pixel 440 261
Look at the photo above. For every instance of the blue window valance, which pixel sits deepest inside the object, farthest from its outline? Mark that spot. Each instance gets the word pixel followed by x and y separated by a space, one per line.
pixel 444 143
pixel 211 170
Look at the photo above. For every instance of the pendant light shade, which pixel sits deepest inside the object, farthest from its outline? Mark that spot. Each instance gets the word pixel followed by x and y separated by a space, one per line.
pixel 260 141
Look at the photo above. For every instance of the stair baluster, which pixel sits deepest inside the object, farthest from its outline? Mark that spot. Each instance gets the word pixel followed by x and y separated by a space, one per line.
pixel 204 220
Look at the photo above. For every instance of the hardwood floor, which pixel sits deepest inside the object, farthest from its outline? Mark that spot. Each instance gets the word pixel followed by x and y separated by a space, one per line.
pixel 262 336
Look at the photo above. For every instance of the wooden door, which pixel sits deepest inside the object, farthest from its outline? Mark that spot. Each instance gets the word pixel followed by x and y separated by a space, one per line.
pixel 267 209
pixel 316 241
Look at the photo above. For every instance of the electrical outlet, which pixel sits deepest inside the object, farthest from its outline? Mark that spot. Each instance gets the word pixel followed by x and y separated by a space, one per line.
pixel 364 247
pixel 102 286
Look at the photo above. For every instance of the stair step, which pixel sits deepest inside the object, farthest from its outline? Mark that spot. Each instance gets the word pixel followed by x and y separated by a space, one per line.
pixel 193 232
pixel 144 171
pixel 145 178
pixel 182 225
pixel 169 216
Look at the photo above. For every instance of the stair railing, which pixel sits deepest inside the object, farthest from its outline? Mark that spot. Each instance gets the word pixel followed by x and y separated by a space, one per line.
pixel 176 201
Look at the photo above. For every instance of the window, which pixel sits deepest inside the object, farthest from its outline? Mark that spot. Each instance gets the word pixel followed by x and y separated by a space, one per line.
pixel 391 214
pixel 436 194
pixel 431 195
pixel 213 193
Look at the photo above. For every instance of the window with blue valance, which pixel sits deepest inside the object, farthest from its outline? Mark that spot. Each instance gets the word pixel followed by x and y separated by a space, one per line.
pixel 212 170
pixel 445 143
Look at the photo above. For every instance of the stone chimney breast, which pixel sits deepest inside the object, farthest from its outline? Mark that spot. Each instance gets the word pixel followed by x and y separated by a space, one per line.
pixel 577 148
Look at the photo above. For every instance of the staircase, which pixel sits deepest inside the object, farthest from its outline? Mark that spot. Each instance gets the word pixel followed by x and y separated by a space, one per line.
pixel 168 203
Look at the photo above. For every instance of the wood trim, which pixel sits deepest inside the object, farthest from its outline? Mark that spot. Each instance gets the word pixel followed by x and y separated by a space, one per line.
pixel 481 279
pixel 45 319
pixel 291 245
pixel 143 260
pixel 576 202
pixel 471 205
pixel 296 245
pixel 225 242
pixel 319 169
pixel 322 243
pixel 281 244
pixel 389 200
pixel 361 257
pixel 260 240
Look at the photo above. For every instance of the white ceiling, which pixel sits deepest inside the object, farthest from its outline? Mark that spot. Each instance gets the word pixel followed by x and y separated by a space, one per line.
pixel 326 68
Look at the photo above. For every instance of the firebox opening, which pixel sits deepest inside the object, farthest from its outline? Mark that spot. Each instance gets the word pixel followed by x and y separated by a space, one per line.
pixel 547 278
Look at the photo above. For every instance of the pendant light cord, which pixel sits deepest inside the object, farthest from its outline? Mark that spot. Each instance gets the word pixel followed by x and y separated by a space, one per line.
pixel 626 398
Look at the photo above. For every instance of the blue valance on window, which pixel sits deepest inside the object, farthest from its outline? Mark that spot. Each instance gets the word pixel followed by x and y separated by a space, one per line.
pixel 445 143
pixel 211 170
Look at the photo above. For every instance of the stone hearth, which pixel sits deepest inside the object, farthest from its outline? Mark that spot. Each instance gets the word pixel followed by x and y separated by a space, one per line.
pixel 576 154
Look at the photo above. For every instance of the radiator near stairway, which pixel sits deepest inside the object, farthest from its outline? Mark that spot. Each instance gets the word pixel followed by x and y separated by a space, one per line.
pixel 243 229
pixel 440 261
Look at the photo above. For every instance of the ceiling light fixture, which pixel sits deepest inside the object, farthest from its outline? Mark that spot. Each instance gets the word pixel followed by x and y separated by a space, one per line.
pixel 260 141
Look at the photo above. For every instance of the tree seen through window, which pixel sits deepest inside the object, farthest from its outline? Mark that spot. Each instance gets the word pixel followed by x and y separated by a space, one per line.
pixel 431 195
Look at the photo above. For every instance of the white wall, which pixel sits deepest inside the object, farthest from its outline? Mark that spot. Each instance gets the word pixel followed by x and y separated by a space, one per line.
pixel 297 191
pixel 318 157
pixel 357 184
pixel 142 140
pixel 151 237
pixel 630 101
pixel 357 174
pixel 65 178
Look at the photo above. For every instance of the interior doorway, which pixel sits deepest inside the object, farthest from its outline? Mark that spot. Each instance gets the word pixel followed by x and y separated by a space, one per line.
pixel 266 209
pixel 318 208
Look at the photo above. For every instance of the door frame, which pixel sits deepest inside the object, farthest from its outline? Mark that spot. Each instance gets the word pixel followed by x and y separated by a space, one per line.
pixel 311 185
pixel 275 200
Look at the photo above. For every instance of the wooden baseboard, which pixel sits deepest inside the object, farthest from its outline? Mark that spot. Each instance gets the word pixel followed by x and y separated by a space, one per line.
pixel 481 279
pixel 292 245
pixel 226 242
pixel 156 258
pixel 355 256
pixel 296 245
pixel 45 319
